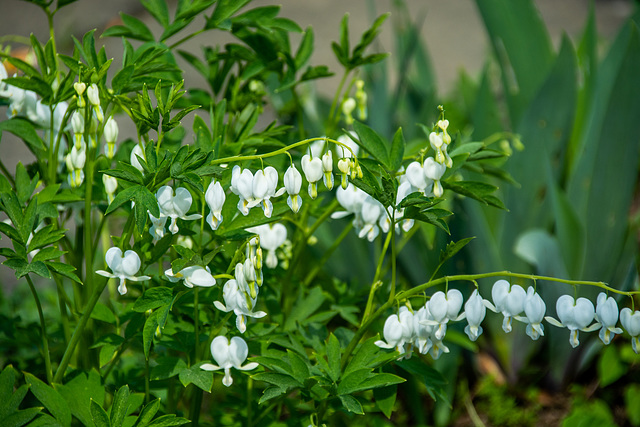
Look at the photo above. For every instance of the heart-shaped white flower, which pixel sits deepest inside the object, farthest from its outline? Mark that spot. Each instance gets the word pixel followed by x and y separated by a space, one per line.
pixel 124 267
pixel 229 354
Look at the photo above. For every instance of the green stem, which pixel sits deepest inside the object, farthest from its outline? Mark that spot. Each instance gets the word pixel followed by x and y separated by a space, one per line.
pixel 196 324
pixel 75 338
pixel 147 386
pixel 88 234
pixel 43 331
pixel 186 38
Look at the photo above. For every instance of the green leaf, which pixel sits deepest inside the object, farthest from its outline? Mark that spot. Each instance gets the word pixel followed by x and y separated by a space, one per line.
pixel 522 46
pixel 24 184
pixel 397 150
pixel 167 367
pixel 372 143
pixel 20 418
pixel 431 378
pixel 271 393
pixel 103 313
pixel 453 248
pixel 168 421
pixel 64 270
pixel 24 130
pixel 99 415
pixel 158 9
pixel 155 322
pixel 45 236
pixel 7 380
pixel 333 357
pixel 304 307
pixel 476 190
pixel 305 49
pixel 79 392
pixel 199 377
pixel 119 406
pixel 351 404
pixel 283 381
pixel 147 414
pixel 153 298
pixel 299 366
pixel 126 172
pixel 50 398
pixel 631 399
pixel 610 367
pixel 385 398
pixel 224 10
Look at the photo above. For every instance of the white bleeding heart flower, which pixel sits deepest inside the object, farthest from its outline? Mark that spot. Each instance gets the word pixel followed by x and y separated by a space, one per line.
pixel 110 185
pixel 508 300
pixel 416 177
pixel 293 184
pixel 370 214
pixel 313 172
pixel 434 171
pixel 229 354
pixel 238 301
pixel 574 315
pixel 124 267
pixel 475 309
pixel 242 186
pixel 423 326
pixel 272 236
pixel 327 169
pixel 534 310
pixel 607 316
pixel 194 275
pixel 398 332
pixel 264 187
pixel 175 205
pixel 444 308
pixel 215 197
pixel 631 322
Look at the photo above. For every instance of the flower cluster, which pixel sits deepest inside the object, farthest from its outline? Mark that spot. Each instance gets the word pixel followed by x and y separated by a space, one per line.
pixel 426 327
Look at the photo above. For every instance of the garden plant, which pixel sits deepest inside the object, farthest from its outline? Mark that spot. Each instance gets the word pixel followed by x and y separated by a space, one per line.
pixel 288 260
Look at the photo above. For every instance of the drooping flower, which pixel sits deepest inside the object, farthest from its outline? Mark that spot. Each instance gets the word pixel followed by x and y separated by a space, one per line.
pixel 93 94
pixel 110 136
pixel 534 309
pixel 327 169
pixel 631 322
pixel 77 125
pixel 80 88
pixel 124 267
pixel 157 227
pixel 229 354
pixel 242 186
pixel 398 332
pixel 293 183
pixel 264 186
pixel 574 315
pixel 508 300
pixel 475 309
pixel 194 275
pixel 215 197
pixel 607 316
pixel 434 171
pixel 272 236
pixel 370 213
pixel 313 172
pixel 444 308
pixel 175 205
pixel 238 301
pixel 110 186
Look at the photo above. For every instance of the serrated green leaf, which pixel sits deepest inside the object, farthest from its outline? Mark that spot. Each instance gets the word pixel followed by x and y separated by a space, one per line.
pixel 168 421
pixel 299 367
pixel 50 398
pixel 119 406
pixel 333 357
pixel 385 398
pixel 271 393
pixel 63 269
pixel 167 367
pixel 99 415
pixel 199 377
pixel 153 298
pixel 20 418
pixel 351 404
pixel 372 143
pixel 126 172
pixel 284 381
pixel 147 414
